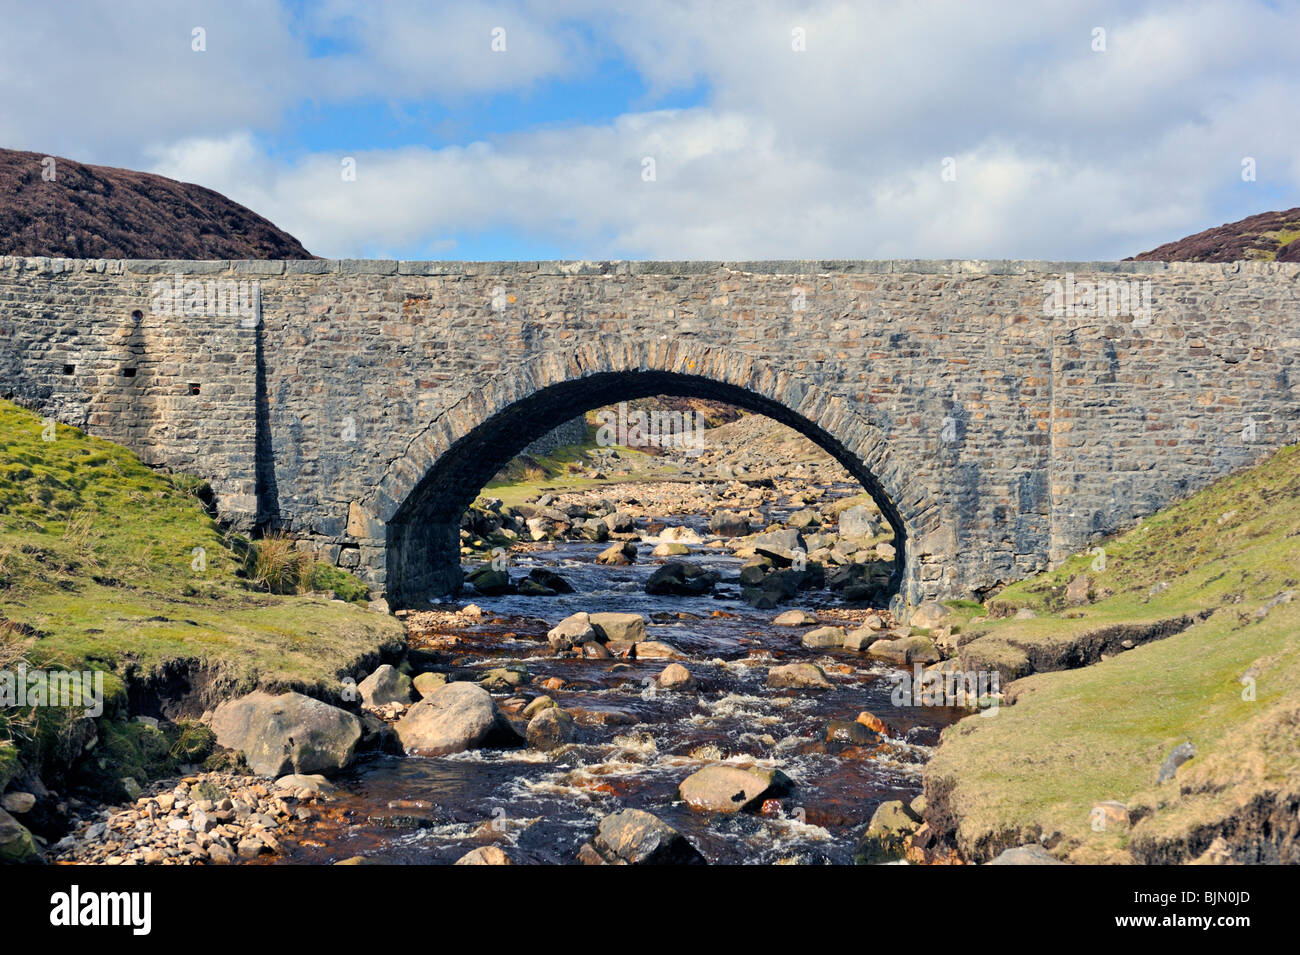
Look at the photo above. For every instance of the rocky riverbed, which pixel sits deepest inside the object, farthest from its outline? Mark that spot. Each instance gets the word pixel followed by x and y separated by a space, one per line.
pixel 681 670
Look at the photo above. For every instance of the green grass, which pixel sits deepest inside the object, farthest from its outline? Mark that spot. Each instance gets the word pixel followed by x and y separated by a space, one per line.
pixel 1078 737
pixel 115 565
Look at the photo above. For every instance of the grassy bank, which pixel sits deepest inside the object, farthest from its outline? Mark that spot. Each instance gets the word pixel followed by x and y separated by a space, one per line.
pixel 1221 566
pixel 108 565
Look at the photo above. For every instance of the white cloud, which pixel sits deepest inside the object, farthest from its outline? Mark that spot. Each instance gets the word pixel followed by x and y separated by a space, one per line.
pixel 834 152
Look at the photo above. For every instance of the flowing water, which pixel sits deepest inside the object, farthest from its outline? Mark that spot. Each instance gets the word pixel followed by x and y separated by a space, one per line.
pixel 638 742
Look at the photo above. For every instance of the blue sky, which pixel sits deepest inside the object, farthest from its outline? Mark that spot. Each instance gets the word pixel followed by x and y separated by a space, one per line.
pixel 773 130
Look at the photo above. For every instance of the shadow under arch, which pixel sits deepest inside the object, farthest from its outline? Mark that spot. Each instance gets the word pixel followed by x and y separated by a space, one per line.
pixel 423 526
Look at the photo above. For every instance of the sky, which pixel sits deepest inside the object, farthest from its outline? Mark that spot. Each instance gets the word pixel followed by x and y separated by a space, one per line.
pixel 598 129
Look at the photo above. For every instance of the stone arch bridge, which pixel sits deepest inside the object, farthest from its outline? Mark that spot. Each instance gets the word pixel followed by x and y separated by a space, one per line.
pixel 1002 414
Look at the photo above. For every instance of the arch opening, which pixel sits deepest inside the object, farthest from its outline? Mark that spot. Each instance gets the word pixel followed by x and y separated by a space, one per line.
pixel 423 535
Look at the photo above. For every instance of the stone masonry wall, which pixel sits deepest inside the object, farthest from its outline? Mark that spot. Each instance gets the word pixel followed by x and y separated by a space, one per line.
pixel 1005 438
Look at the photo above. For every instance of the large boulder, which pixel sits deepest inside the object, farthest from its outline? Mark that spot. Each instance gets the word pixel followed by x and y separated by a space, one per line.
pixel 681 579
pixel 287 733
pixel 929 615
pixel 914 649
pixel 551 729
pixel 618 555
pixel 824 637
pixel 782 546
pixel 884 839
pixel 574 630
pixel 454 718
pixel 635 837
pixel 795 618
pixel 619 628
pixel 726 788
pixel 676 677
pixel 489 581
pixel 17 845
pixel 857 523
pixel 426 683
pixel 550 580
pixel 728 524
pixel 621 522
pixel 1026 855
pixel 485 855
pixel 386 685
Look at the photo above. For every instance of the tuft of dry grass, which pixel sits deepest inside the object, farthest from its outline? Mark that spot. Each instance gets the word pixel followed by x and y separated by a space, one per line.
pixel 277 566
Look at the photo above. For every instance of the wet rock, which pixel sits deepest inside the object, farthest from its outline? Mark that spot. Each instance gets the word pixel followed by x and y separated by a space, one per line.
pixel 287 733
pixel 677 578
pixel 728 524
pixel 884 838
pixel 655 650
pixel 795 618
pixel 386 685
pixel 551 580
pixel 676 677
pixel 852 732
pixel 806 676
pixel 857 522
pixel 929 615
pixel 17 845
pixel 504 678
pixel 377 736
pixel 824 637
pixel 537 705
pixel 426 683
pixel 454 718
pixel 532 588
pixel 489 581
pixel 485 855
pixel 635 837
pixel 874 723
pixel 619 628
pixel 551 729
pixel 670 549
pixel 573 630
pixel 1026 855
pixel 618 555
pixel 916 649
pixel 596 651
pixel 726 788
pixel 621 522
pixel 313 784
pixel 1177 756
pixel 754 570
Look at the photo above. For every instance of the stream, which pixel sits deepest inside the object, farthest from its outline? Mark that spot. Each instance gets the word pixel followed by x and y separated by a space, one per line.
pixel 638 741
